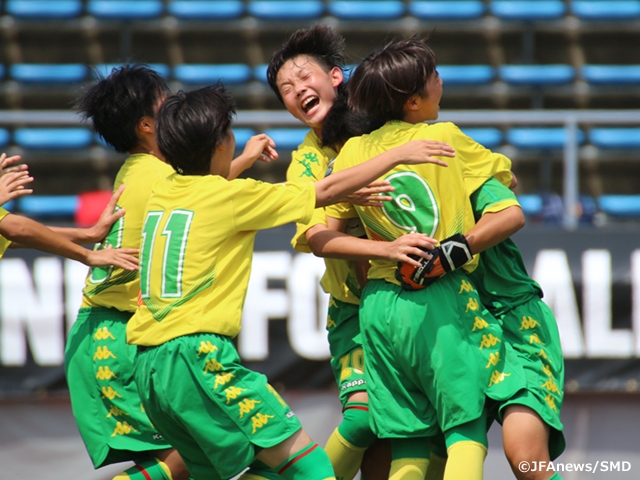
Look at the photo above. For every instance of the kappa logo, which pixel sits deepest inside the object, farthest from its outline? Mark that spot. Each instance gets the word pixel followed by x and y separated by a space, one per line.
pixel 489 341
pixel 123 428
pixel 479 324
pixel 547 369
pixel 277 395
pixel 116 412
pixel 260 420
pixel 494 359
pixel 535 339
pixel 103 334
pixel 222 379
pixel 528 323
pixel 110 393
pixel 330 322
pixel 497 377
pixel 354 383
pixel 551 402
pixel 465 286
pixel 542 354
pixel 102 353
pixel 472 305
pixel 206 347
pixel 247 405
pixel 233 392
pixel 551 386
pixel 306 161
pixel 105 373
pixel 212 365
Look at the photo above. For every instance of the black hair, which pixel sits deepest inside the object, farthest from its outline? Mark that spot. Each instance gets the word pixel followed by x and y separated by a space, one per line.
pixel 343 122
pixel 190 125
pixel 117 103
pixel 319 42
pixel 388 77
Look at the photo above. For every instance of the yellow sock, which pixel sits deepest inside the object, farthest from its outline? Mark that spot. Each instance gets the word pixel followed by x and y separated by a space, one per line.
pixel 408 469
pixel 152 468
pixel 345 457
pixel 436 467
pixel 465 461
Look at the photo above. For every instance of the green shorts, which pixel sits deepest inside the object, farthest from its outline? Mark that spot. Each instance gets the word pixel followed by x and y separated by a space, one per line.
pixel 434 355
pixel 347 358
pixel 104 397
pixel 532 331
pixel 215 412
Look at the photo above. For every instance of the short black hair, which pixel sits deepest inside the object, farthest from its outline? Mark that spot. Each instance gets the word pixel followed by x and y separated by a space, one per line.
pixel 343 122
pixel 190 125
pixel 388 77
pixel 319 42
pixel 116 104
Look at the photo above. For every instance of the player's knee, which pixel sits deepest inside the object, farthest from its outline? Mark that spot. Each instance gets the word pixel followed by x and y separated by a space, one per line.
pixel 355 427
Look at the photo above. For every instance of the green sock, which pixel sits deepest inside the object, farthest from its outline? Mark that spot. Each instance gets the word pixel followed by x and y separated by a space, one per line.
pixel 309 463
pixel 260 471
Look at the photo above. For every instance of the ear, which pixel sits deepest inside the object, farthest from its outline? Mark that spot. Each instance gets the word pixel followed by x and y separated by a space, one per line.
pixel 412 103
pixel 147 125
pixel 337 77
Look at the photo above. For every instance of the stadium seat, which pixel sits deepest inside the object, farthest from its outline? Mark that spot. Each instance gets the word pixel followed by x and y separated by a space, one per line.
pixel 43 9
pixel 611 74
pixel 10 205
pixel 447 10
pixel 531 204
pixel 615 138
pixel 90 206
pixel 242 136
pixel 48 205
pixel 229 74
pixel 260 72
pixel 51 74
pixel 205 9
pixel 53 138
pixel 489 137
pixel 466 74
pixel 366 9
pixel 105 69
pixel 624 206
pixel 347 71
pixel 286 9
pixel 287 138
pixel 540 138
pixel 536 75
pixel 4 137
pixel 606 9
pixel 527 10
pixel 125 9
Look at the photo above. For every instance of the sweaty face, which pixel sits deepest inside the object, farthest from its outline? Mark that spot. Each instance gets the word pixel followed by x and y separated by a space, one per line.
pixel 308 91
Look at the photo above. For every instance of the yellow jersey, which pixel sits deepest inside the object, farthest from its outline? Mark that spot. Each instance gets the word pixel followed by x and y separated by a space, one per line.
pixel 113 287
pixel 310 163
pixel 428 198
pixel 197 248
pixel 4 242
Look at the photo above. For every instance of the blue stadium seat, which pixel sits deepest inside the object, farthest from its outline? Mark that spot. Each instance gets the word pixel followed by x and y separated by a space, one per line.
pixel 624 206
pixel 286 9
pixel 489 137
pixel 611 74
pixel 287 138
pixel 531 204
pixel 10 205
pixel 536 75
pixel 43 9
pixel 125 9
pixel 242 136
pixel 466 74
pixel 347 71
pixel 606 9
pixel 447 9
pixel 52 138
pixel 205 9
pixel 540 138
pixel 105 69
pixel 527 10
pixel 52 74
pixel 366 9
pixel 48 205
pixel 4 137
pixel 198 74
pixel 260 72
pixel 615 138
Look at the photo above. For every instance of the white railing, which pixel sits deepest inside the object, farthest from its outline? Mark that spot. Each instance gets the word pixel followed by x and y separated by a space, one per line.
pixel 569 119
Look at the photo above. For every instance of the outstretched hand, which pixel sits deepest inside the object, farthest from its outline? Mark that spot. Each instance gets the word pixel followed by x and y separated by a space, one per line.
pixel 12 185
pixel 369 196
pixel 259 147
pixel 118 257
pixel 5 163
pixel 108 217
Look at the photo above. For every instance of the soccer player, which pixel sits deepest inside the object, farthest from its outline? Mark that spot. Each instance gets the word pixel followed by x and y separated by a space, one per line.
pixel 196 251
pixel 306 75
pixel 98 361
pixel 435 356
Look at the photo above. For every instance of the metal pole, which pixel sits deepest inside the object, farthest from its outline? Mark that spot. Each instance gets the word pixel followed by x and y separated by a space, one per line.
pixel 570 192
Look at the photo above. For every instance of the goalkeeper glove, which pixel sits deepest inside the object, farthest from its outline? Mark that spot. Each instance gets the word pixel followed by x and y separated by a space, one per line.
pixel 452 253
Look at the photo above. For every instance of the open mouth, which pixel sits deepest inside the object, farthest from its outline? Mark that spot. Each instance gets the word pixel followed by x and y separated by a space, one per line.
pixel 309 103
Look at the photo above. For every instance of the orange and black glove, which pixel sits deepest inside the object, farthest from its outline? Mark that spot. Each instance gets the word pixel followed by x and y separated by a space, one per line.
pixel 452 253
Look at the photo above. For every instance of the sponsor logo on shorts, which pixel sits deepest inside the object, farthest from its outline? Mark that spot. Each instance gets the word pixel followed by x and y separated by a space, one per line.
pixel 489 341
pixel 105 373
pixel 535 339
pixel 354 383
pixel 551 386
pixel 157 436
pixel 123 428
pixel 479 324
pixel 551 402
pixel 103 334
pixel 206 347
pixel 212 365
pixel 465 286
pixel 247 405
pixel 116 412
pixel 528 323
pixel 497 377
pixel 259 420
pixel 222 379
pixel 102 353
pixel 290 414
pixel 233 392
pixel 110 393
pixel 472 305
pixel 494 359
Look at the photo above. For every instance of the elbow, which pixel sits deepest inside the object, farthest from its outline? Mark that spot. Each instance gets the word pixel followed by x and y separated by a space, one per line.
pixel 518 219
